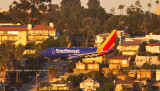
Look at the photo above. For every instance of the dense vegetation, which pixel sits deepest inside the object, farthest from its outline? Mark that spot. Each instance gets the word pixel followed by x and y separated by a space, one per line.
pixel 73 19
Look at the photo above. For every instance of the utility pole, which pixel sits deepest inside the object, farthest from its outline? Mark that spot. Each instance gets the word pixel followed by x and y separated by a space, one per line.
pixel 36 80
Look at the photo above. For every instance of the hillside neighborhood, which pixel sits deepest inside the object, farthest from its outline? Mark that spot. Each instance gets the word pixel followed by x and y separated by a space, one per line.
pixel 30 27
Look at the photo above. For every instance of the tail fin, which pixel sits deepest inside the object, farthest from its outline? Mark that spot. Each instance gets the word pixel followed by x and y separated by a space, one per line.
pixel 69 45
pixel 108 43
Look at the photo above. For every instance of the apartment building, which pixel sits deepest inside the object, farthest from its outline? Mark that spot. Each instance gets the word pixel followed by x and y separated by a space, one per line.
pixel 141 74
pixel 16 33
pixel 21 34
pixel 153 48
pixel 129 47
pixel 118 62
pixel 101 37
pixel 140 60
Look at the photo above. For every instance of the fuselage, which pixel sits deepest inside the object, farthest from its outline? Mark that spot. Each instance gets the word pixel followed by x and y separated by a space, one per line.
pixel 81 52
pixel 62 52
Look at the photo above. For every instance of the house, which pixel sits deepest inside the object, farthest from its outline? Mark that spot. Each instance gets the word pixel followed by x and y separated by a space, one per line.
pixel 107 70
pixel 153 48
pixel 157 11
pixel 21 34
pixel 129 47
pixel 124 83
pixel 141 74
pixel 39 33
pixel 93 66
pixel 118 62
pixel 86 67
pixel 101 37
pixel 143 81
pixel 152 37
pixel 94 59
pixel 55 86
pixel 157 75
pixel 29 51
pixel 140 60
pixel 89 84
pixel 121 76
pixel 80 66
pixel 16 33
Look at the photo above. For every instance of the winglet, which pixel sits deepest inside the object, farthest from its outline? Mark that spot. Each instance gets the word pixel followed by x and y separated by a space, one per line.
pixel 69 45
pixel 108 43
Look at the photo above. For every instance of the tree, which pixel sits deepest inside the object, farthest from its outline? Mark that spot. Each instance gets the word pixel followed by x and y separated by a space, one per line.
pixel 68 7
pixel 52 72
pixel 121 9
pixel 138 4
pixel 88 24
pixel 149 6
pixel 142 49
pixel 18 54
pixel 157 2
pixel 112 11
pixel 92 4
pixel 146 66
pixel 106 87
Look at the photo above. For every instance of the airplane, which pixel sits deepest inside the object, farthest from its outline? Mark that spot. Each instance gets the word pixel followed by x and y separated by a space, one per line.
pixel 82 52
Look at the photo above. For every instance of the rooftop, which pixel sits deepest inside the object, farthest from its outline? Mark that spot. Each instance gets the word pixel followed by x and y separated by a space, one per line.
pixel 120 57
pixel 13 28
pixel 131 43
pixel 24 27
pixel 42 27
pixel 154 44
pixel 90 79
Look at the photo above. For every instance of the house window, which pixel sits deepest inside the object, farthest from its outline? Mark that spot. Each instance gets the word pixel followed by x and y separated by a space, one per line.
pixel 124 62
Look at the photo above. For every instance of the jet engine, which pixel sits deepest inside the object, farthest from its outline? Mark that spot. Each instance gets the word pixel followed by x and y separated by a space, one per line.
pixel 73 57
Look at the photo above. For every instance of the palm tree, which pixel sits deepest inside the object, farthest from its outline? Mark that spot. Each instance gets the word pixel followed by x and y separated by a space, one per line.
pixel 18 54
pixel 112 10
pixel 52 72
pixel 138 4
pixel 121 9
pixel 157 2
pixel 149 5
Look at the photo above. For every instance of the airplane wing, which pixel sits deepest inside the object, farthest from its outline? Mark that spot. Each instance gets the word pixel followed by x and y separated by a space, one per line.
pixel 91 54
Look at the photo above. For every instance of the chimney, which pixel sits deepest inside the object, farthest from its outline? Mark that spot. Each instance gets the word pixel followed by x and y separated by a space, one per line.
pixel 29 26
pixel 51 24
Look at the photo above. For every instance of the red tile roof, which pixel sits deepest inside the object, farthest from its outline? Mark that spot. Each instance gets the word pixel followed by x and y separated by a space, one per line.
pixel 131 43
pixel 154 44
pixel 42 27
pixel 120 57
pixel 13 28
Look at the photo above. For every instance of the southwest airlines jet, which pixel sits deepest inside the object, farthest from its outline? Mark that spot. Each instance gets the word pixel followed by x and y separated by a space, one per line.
pixel 82 52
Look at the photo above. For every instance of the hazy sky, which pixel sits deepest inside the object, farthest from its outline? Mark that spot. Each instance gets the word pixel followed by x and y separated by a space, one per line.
pixel 107 4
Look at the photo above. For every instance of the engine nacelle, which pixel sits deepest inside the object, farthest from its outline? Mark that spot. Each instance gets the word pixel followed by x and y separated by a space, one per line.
pixel 71 57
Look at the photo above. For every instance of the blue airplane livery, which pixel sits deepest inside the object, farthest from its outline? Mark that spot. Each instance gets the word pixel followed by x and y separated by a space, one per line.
pixel 82 52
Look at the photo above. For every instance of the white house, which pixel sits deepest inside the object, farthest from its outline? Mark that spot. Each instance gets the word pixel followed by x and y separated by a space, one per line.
pixel 89 84
pixel 140 60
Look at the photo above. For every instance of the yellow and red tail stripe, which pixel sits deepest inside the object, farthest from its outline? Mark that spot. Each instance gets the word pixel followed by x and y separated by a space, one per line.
pixel 108 43
pixel 69 45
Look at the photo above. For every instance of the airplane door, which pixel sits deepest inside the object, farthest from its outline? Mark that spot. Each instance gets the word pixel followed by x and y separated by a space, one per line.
pixel 53 51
